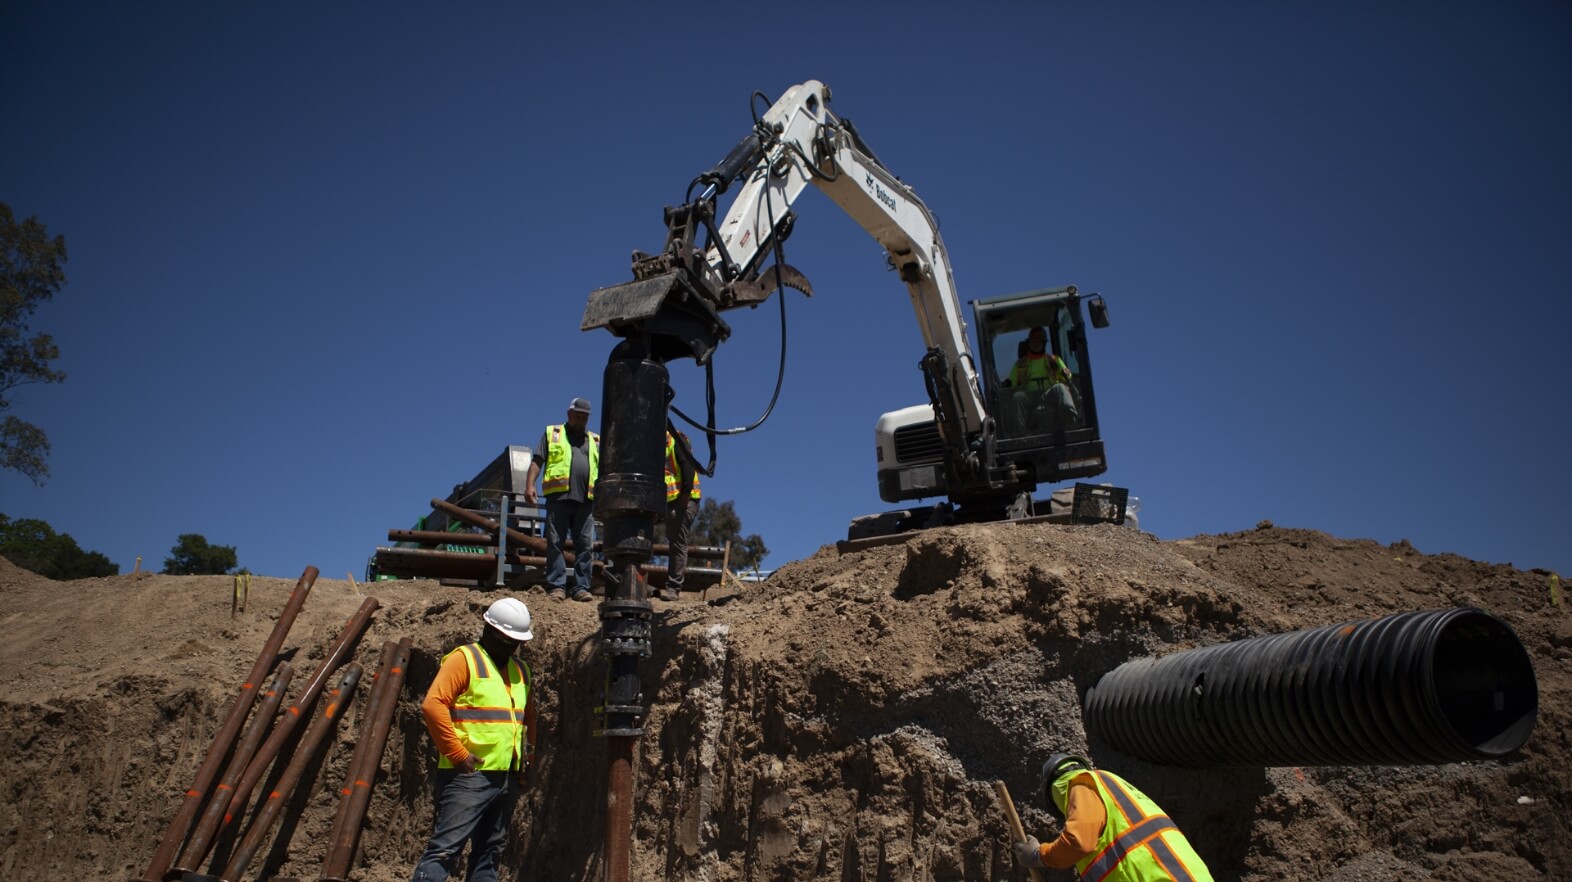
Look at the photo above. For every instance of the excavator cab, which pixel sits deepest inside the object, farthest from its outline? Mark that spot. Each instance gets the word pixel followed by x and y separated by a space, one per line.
pixel 1037 378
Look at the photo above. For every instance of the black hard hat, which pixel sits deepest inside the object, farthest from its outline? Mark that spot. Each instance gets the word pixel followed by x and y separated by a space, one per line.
pixel 1057 766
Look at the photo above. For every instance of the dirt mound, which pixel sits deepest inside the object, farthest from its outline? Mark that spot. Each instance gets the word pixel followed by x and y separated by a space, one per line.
pixel 843 720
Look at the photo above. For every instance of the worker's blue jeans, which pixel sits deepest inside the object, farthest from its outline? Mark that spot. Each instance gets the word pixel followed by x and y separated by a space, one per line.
pixel 475 807
pixel 575 520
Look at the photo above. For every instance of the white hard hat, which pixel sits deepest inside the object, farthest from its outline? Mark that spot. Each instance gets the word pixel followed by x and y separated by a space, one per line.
pixel 510 616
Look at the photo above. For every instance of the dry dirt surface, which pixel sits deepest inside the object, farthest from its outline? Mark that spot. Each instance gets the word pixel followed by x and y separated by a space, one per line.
pixel 844 720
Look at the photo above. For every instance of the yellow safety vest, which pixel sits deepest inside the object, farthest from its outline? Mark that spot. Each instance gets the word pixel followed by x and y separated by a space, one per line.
pixel 1039 371
pixel 559 461
pixel 1138 843
pixel 674 474
pixel 489 715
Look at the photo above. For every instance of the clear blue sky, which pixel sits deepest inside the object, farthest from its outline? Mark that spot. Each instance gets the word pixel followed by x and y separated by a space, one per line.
pixel 327 260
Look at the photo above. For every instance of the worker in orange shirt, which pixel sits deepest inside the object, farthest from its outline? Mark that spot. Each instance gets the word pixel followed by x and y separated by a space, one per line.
pixel 480 711
pixel 1112 831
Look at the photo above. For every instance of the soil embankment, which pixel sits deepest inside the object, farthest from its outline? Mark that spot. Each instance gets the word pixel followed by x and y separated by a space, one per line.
pixel 844 720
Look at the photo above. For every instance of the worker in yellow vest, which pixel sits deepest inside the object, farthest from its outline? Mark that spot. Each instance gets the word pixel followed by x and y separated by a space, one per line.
pixel 567 461
pixel 1042 401
pixel 480 711
pixel 1112 831
pixel 682 507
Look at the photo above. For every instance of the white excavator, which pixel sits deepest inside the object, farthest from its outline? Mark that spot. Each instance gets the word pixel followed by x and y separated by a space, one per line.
pixel 984 441
pixel 989 434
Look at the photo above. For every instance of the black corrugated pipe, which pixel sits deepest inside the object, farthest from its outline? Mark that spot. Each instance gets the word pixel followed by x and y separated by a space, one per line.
pixel 1434 686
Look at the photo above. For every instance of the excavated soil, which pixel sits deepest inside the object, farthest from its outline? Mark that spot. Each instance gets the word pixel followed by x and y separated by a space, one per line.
pixel 844 720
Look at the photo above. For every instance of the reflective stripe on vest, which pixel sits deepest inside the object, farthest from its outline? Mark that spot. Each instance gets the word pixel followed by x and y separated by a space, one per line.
pixel 674 474
pixel 1138 843
pixel 559 462
pixel 489 716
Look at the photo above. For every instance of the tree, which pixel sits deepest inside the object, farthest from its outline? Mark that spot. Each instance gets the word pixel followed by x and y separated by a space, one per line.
pixel 717 523
pixel 30 274
pixel 34 545
pixel 192 556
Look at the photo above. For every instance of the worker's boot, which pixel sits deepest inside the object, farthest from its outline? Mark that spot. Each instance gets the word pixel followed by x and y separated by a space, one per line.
pixel 670 594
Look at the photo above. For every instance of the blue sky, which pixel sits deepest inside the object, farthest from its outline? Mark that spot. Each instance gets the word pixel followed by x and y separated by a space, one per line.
pixel 327 261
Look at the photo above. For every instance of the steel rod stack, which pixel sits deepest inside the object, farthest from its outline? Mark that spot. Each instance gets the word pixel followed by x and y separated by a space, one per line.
pixel 209 770
pixel 225 807
pixel 355 796
pixel 310 745
pixel 522 550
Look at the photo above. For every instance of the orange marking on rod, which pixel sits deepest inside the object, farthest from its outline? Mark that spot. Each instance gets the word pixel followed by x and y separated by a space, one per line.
pixel 192 793
pixel 273 795
pixel 359 783
pixel 225 787
pixel 346 791
pixel 294 710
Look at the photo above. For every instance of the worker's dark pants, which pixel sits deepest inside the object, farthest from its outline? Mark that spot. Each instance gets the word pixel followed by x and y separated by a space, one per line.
pixel 575 520
pixel 679 523
pixel 1044 411
pixel 476 808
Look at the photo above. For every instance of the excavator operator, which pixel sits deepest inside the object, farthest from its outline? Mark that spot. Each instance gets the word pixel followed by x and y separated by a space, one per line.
pixel 1042 401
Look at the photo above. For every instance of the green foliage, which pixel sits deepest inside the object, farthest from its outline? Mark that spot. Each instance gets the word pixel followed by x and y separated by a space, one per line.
pixel 192 556
pixel 30 274
pixel 717 523
pixel 33 545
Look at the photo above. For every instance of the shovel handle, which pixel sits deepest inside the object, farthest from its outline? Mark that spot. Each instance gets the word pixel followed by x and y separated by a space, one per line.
pixel 1015 823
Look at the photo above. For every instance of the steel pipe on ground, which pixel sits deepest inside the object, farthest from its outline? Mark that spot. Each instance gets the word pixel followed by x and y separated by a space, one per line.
pixel 1434 686
pixel 224 807
pixel 187 813
pixel 437 537
pixel 344 837
pixel 311 744
pixel 432 563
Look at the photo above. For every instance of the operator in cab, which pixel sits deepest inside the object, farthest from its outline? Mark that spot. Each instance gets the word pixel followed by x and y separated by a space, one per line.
pixel 1042 402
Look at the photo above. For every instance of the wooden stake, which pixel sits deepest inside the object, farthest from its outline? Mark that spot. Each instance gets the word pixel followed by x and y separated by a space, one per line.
pixel 1015 824
pixel 725 562
pixel 352 583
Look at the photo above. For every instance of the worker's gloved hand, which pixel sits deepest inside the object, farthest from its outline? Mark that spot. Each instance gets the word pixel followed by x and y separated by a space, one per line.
pixel 468 765
pixel 1028 852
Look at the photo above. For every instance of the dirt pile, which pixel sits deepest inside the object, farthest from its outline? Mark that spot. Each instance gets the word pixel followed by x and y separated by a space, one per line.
pixel 843 720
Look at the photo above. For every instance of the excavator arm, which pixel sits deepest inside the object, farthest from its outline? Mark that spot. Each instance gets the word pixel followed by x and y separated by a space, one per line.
pixel 678 294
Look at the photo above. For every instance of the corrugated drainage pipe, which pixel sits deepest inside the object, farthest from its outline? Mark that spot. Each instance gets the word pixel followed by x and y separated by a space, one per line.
pixel 1434 686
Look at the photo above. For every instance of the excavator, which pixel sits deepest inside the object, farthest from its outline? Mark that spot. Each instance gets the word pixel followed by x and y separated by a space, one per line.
pixel 992 430
pixel 982 442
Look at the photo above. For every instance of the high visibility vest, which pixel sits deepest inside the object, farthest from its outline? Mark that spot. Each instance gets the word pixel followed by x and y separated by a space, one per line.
pixel 1138 843
pixel 559 461
pixel 674 474
pixel 1039 371
pixel 489 715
